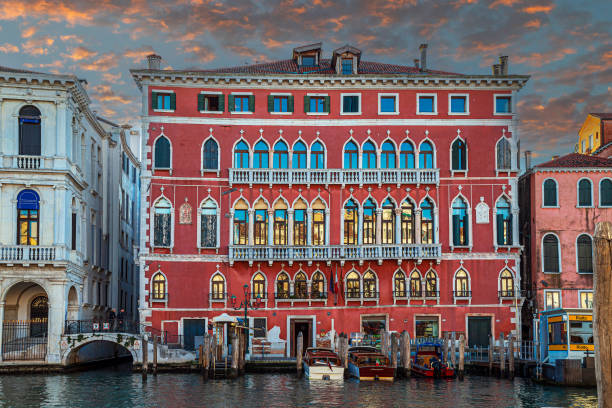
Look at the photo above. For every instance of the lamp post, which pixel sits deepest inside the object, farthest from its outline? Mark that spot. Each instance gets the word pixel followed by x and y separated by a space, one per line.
pixel 246 304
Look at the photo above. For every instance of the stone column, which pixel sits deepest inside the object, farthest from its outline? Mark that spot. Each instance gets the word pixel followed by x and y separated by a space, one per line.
pixel 270 227
pixel 60 137
pixel 360 226
pixel 60 216
pixel 341 226
pixel 309 226
pixel 417 226
pixel 290 227
pixel 251 226
pixel 436 225
pixel 1 324
pixel 231 229
pixel 378 226
pixel 327 227
pixel 398 225
pixel 515 226
pixel 57 310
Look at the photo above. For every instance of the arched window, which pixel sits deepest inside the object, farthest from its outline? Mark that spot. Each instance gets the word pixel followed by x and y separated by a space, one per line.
pixel 280 156
pixel 462 284
pixel 399 285
pixel 369 222
pixel 353 289
pixel 210 160
pixel 506 284
pixel 585 198
pixel 282 286
pixel 459 155
pixel 368 160
pixel 39 316
pixel 388 222
pixel 351 156
pixel 261 223
pixel 427 222
pixel 241 155
pixel 162 234
pixel 281 223
pixel 460 222
pixel 407 156
pixel 605 193
pixel 259 286
pixel 415 284
pixel 550 254
pixel 317 156
pixel 299 223
pixel 426 158
pixel 29 131
pixel 162 153
pixel 260 156
pixel 351 219
pixel 550 193
pixel 300 286
pixel 208 219
pixel 317 286
pixel 407 220
pixel 218 287
pixel 369 285
pixel 431 284
pixel 158 290
pixel 504 154
pixel 298 161
pixel 241 223
pixel 387 157
pixel 585 254
pixel 318 223
pixel 504 222
pixel 28 206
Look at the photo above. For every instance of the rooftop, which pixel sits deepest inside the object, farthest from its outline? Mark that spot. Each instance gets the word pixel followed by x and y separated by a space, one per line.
pixel 577 160
pixel 603 115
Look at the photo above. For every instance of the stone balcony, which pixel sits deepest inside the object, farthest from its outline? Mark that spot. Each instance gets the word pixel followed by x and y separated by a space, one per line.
pixel 329 253
pixel 334 176
pixel 37 255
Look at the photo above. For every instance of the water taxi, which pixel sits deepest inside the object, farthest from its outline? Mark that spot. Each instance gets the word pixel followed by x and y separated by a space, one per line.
pixel 566 334
pixel 367 363
pixel 428 362
pixel 322 364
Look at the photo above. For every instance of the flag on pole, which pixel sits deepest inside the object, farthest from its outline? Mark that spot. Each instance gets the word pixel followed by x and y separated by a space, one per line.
pixel 336 281
pixel 331 281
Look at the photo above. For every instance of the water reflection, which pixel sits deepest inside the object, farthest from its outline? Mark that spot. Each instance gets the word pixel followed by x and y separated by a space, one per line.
pixel 121 388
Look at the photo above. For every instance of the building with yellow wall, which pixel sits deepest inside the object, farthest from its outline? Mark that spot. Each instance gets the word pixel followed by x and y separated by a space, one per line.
pixel 595 135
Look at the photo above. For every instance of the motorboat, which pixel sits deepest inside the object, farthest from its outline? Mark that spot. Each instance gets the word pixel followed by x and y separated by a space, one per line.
pixel 368 364
pixel 429 362
pixel 322 364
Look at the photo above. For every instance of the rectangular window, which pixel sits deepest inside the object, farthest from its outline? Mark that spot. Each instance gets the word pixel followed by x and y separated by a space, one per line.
pixel 503 104
pixel 210 102
pixel 583 146
pixel 280 103
pixel 260 328
pixel 280 227
pixel 163 100
pixel 553 299
pixel 73 232
pixel 261 227
pixel 208 233
pixel 387 104
pixel 241 103
pixel 299 227
pixel 557 333
pixel 426 326
pixel 351 104
pixel 580 332
pixel 590 143
pixel 317 104
pixel 347 66
pixel 308 61
pixel 586 300
pixel 162 227
pixel 241 227
pixel 318 227
pixel 426 104
pixel 458 104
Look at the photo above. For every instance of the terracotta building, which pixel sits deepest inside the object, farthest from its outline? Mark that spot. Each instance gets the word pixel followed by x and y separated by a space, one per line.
pixel 349 195
pixel 595 135
pixel 561 202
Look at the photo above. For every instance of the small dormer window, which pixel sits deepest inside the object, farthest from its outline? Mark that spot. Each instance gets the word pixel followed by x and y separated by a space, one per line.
pixel 347 66
pixel 308 61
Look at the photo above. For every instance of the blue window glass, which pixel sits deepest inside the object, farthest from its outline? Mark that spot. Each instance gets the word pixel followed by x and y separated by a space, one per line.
pixel 426 104
pixel 351 159
pixel 427 222
pixel 280 156
pixel 350 104
pixel 317 104
pixel 308 61
pixel 387 104
pixel 281 104
pixel 241 156
pixel 387 157
pixel 407 156
pixel 460 222
pixel 317 156
pixel 504 223
pixel 503 104
pixel 241 103
pixel 369 156
pixel 260 156
pixel 28 200
pixel 298 161
pixel 347 66
pixel 426 156
pixel 163 101
pixel 458 104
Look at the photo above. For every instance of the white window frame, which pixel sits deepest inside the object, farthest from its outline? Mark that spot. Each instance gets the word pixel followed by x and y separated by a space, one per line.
pixel 580 292
pixel 546 291
pixel 396 96
pixel 435 103
pixel 166 91
pixel 507 95
pixel 202 169
pixel 578 193
pixel 283 94
pixel 319 95
pixel 342 95
pixel 199 226
pixel 152 224
pixel 556 190
pixel 212 93
pixel 599 192
pixel 467 104
pixel 232 112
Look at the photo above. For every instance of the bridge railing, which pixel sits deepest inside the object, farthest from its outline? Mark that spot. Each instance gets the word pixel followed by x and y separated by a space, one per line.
pixel 101 326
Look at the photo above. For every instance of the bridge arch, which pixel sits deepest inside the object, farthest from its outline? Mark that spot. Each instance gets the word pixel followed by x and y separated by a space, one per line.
pixel 124 343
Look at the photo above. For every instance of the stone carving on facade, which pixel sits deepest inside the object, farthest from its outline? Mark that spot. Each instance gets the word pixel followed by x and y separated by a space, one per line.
pixel 185 213
pixel 482 212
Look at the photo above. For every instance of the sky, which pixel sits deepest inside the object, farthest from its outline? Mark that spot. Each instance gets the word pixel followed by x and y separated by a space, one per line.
pixel 566 45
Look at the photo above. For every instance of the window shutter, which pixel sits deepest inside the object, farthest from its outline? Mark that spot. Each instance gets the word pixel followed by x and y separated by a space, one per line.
pixel 200 102
pixel 172 101
pixel 326 104
pixel 231 107
pixel 456 237
pixel 153 100
pixel 463 157
pixel 306 103
pixel 466 231
pixel 455 157
pixel 510 238
pixel 251 103
pixel 290 107
pixel 270 103
pixel 221 103
pixel 500 229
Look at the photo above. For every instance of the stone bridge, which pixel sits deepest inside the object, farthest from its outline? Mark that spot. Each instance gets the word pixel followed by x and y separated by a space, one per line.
pixel 70 344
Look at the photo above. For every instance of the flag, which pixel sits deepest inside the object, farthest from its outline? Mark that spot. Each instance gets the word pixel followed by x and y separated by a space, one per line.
pixel 331 281
pixel 336 281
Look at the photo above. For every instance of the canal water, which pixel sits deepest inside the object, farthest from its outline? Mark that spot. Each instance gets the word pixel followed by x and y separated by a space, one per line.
pixel 118 387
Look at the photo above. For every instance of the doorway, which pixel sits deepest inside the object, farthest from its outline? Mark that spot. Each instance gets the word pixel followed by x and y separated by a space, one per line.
pixel 303 326
pixel 39 314
pixel 479 329
pixel 191 329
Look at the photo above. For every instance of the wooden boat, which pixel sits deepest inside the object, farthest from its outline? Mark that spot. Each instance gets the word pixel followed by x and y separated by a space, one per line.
pixel 367 363
pixel 322 364
pixel 428 362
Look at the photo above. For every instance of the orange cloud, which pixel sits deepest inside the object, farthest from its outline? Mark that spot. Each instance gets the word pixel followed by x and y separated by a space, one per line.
pixel 138 54
pixel 538 9
pixel 29 32
pixel 37 46
pixel 80 53
pixel 533 24
pixel 8 48
pixel 54 64
pixel 537 59
pixel 103 63
pixel 202 54
pixel 507 3
pixel 71 37
pixel 52 11
pixel 271 43
pixel 107 76
pixel 105 93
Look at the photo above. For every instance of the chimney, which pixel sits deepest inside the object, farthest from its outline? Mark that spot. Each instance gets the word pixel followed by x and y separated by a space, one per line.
pixel 496 69
pixel 423 49
pixel 503 61
pixel 555 157
pixel 527 160
pixel 416 63
pixel 154 61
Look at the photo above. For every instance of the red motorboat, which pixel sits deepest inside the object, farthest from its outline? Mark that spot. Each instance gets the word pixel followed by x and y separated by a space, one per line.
pixel 428 362
pixel 367 363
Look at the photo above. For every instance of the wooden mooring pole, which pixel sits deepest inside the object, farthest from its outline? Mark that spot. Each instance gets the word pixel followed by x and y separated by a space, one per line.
pixel 602 312
pixel 204 354
pixel 461 356
pixel 145 358
pixel 445 348
pixel 407 357
pixel 299 354
pixel 394 353
pixel 345 348
pixel 453 351
pixel 502 356
pixel 235 353
pixel 154 355
pixel 511 357
pixel 491 345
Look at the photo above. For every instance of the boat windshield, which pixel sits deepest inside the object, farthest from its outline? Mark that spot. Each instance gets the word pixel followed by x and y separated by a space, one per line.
pixel 373 360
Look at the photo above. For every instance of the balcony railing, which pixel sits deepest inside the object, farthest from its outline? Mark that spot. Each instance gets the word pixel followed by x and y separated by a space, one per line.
pixel 34 254
pixel 28 162
pixel 463 293
pixel 352 294
pixel 506 293
pixel 334 176
pixel 252 253
pixel 217 296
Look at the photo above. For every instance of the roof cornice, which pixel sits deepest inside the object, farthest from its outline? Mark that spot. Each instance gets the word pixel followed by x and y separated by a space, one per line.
pixel 571 169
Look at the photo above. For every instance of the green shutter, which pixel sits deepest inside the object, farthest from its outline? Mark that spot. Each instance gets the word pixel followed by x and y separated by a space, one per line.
pixel 466 231
pixel 270 103
pixel 510 240
pixel 222 103
pixel 306 103
pixel 231 106
pixel 290 107
pixel 456 237
pixel 153 100
pixel 200 102
pixel 251 103
pixel 173 101
pixel 455 157
pixel 326 107
pixel 500 229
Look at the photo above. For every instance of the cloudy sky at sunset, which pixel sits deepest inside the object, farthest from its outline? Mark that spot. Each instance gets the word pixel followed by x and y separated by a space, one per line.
pixel 565 45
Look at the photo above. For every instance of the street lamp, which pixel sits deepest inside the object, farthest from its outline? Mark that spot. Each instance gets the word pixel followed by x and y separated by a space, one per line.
pixel 246 304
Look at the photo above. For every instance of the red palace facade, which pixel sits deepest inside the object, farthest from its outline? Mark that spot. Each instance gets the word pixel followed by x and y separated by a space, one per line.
pixel 350 196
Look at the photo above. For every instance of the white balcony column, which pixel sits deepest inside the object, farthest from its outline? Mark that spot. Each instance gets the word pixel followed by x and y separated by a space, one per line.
pixel 1 324
pixel 341 228
pixel 309 226
pixel 270 227
pixel 290 227
pixel 60 120
pixel 59 216
pixel 378 226
pixel 398 225
pixel 436 226
pixel 251 226
pixel 327 226
pixel 417 226
pixel 360 226
pixel 515 227
pixel 231 228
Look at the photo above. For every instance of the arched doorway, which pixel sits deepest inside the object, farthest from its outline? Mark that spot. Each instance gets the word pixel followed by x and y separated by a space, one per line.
pixel 39 316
